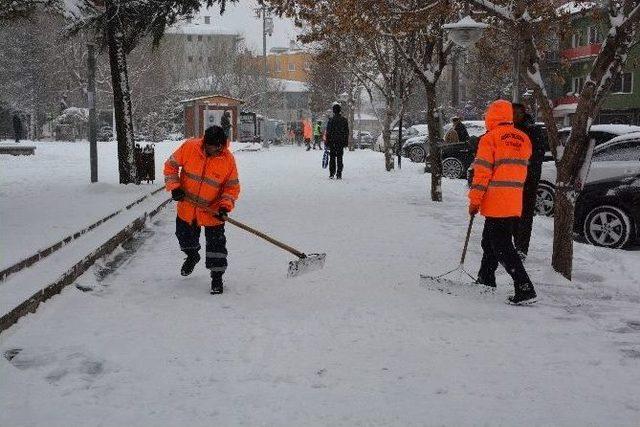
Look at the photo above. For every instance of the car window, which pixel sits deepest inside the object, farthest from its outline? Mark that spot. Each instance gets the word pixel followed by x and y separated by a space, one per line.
pixel 602 137
pixel 621 151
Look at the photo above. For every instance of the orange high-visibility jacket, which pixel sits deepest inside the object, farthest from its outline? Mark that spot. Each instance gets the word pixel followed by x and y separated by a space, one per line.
pixel 207 181
pixel 500 167
pixel 307 129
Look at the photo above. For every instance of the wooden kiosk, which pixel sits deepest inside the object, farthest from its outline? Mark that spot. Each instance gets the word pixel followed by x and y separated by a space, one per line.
pixel 205 111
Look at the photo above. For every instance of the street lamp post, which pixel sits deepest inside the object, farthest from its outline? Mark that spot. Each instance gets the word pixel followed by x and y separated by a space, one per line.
pixel 267 30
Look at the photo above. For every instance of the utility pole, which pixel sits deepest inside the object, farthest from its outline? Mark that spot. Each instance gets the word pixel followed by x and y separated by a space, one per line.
pixel 267 29
pixel 91 101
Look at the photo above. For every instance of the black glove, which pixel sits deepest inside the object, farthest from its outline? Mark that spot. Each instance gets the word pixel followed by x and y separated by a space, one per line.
pixel 223 213
pixel 177 194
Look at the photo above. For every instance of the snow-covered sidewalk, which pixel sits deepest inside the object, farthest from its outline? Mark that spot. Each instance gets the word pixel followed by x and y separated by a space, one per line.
pixel 359 343
pixel 48 196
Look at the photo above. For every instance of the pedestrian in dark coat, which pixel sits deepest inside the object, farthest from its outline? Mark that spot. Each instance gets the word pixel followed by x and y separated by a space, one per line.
pixel 225 124
pixel 337 138
pixel 461 130
pixel 522 232
pixel 17 127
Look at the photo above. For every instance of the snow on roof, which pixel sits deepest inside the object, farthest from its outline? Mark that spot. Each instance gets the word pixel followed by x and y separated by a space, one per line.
pixel 365 117
pixel 199 29
pixel 616 129
pixel 291 86
pixel 574 7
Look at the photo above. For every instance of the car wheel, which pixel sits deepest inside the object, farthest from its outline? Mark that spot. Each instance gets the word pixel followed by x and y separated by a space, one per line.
pixel 452 168
pixel 416 154
pixel 545 199
pixel 607 226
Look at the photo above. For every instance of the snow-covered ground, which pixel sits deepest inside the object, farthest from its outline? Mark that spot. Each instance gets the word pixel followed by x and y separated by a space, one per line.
pixel 358 343
pixel 48 196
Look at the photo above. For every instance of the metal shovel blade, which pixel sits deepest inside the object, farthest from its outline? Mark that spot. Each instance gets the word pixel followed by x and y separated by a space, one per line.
pixel 310 262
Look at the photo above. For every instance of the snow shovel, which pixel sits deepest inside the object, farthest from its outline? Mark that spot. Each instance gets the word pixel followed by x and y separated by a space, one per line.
pixel 305 262
pixel 460 268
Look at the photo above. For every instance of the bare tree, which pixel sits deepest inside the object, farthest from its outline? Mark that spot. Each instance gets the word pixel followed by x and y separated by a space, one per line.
pixel 529 24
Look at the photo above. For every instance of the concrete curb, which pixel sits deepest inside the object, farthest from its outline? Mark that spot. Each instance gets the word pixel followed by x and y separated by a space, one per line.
pixel 29 261
pixel 31 305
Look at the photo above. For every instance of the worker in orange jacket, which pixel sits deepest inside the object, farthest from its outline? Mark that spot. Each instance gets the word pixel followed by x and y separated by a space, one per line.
pixel 499 173
pixel 202 177
pixel 307 132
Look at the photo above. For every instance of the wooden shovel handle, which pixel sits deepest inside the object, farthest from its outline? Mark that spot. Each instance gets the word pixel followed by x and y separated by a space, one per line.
pixel 466 240
pixel 265 237
pixel 254 232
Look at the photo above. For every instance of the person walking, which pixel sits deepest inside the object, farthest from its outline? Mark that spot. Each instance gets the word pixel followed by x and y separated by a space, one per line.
pixel 522 233
pixel 307 133
pixel 17 127
pixel 225 124
pixel 500 170
pixel 337 138
pixel 317 135
pixel 202 177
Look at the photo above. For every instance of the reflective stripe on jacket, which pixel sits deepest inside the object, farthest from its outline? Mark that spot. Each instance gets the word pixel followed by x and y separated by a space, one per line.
pixel 500 167
pixel 210 182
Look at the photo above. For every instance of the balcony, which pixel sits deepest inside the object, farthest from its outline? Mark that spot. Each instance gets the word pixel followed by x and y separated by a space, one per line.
pixel 581 52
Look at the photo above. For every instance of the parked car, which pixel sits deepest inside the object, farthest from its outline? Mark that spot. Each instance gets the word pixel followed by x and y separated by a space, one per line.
pixel 616 158
pixel 379 144
pixel 608 212
pixel 362 139
pixel 416 148
pixel 601 133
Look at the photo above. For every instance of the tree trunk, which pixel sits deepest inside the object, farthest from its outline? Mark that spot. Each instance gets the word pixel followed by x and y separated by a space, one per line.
pixel 350 115
pixel 386 137
pixel 435 153
pixel 121 96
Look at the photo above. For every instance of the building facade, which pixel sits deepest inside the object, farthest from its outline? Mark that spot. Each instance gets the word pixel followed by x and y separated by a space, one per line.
pixel 574 59
pixel 290 63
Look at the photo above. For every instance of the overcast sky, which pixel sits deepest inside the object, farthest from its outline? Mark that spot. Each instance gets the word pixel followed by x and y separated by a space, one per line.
pixel 240 17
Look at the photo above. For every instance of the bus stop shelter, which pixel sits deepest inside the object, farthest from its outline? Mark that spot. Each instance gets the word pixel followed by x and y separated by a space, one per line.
pixel 205 111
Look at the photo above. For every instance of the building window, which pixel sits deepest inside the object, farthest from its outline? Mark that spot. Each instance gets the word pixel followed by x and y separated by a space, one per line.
pixel 189 38
pixel 207 20
pixel 578 38
pixel 578 84
pixel 199 38
pixel 595 36
pixel 278 67
pixel 190 58
pixel 292 67
pixel 623 84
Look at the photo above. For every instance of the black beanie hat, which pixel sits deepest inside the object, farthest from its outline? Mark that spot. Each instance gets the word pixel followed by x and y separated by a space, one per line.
pixel 336 108
pixel 214 135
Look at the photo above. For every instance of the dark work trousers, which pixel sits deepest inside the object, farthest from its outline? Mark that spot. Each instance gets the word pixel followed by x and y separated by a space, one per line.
pixel 335 156
pixel 317 141
pixel 216 244
pixel 522 231
pixel 497 246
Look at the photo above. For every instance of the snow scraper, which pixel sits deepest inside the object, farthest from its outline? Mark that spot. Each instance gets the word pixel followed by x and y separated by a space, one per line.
pixel 305 262
pixel 441 279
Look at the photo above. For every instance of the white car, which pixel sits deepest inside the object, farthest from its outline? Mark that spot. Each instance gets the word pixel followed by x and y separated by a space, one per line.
pixel 601 133
pixel 619 157
pixel 379 145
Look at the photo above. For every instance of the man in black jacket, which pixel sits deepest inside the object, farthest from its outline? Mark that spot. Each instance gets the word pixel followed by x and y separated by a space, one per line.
pixel 522 232
pixel 17 127
pixel 337 139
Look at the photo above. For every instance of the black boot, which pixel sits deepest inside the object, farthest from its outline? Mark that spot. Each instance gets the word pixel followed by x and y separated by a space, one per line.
pixel 189 263
pixel 482 280
pixel 216 284
pixel 525 294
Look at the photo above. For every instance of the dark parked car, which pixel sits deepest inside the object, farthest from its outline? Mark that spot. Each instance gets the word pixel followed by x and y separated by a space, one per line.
pixel 608 212
pixel 457 157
